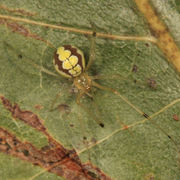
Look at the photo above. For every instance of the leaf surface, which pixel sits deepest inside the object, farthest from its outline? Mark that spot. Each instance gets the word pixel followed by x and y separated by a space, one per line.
pixel 129 146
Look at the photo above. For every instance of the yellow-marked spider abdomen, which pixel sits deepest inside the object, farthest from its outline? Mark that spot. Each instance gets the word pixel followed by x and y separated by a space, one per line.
pixel 69 61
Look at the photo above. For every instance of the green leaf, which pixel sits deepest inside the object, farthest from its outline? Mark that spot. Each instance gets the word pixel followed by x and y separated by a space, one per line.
pixel 129 146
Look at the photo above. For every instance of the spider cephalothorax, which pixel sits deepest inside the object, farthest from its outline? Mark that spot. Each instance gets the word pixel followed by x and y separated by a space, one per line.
pixel 83 83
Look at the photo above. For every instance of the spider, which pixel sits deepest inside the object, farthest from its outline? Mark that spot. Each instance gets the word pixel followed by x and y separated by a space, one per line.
pixel 69 62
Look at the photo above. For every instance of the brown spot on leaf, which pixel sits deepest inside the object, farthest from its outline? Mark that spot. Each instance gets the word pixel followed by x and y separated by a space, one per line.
pixel 71 125
pixel 152 83
pixel 176 117
pixel 38 107
pixel 125 127
pixel 146 116
pixel 20 56
pixel 93 140
pixel 134 68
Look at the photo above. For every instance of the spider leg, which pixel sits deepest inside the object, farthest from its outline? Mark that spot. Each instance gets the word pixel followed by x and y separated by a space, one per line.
pixel 133 106
pixel 80 94
pixel 86 109
pixel 113 77
pixel 117 93
pixel 28 61
pixel 92 52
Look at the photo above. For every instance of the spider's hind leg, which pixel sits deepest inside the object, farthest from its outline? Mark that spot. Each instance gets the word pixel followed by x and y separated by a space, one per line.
pixel 90 113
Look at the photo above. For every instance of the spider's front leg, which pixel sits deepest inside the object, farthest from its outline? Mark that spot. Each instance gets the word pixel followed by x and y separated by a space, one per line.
pixel 92 51
pixel 118 94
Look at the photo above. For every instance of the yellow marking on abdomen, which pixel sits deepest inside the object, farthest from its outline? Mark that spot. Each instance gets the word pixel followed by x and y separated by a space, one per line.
pixel 67 65
pixel 70 62
pixel 76 70
pixel 63 54
pixel 164 40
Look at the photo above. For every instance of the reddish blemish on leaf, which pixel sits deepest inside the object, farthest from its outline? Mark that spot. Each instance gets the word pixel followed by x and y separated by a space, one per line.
pixel 27 116
pixel 125 127
pixel 17 11
pixel 176 117
pixel 22 30
pixel 54 157
pixel 38 107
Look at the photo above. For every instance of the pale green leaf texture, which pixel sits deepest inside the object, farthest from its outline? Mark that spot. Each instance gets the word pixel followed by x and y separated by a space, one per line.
pixel 144 150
